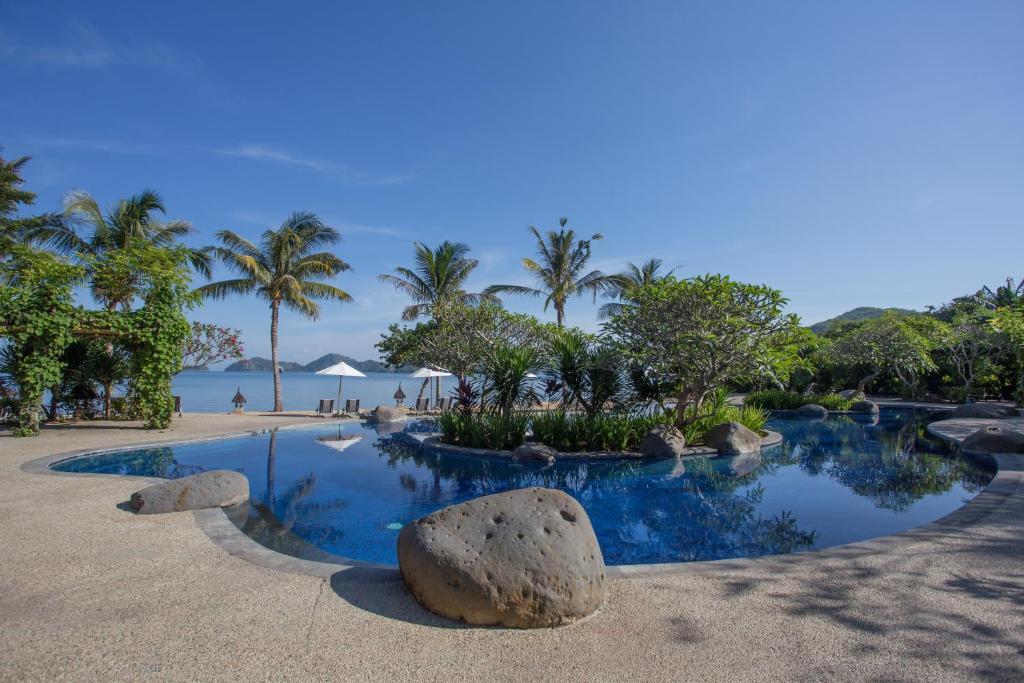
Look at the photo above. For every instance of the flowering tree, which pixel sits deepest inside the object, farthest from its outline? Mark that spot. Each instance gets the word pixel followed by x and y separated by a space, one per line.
pixel 1009 320
pixel 209 344
pixel 703 333
pixel 889 342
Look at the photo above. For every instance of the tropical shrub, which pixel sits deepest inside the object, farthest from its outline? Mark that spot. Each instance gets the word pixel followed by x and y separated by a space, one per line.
pixel 778 399
pixel 588 373
pixel 717 410
pixel 484 430
pixel 704 333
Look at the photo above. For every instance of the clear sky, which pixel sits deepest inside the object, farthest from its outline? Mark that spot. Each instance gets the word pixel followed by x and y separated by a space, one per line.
pixel 849 154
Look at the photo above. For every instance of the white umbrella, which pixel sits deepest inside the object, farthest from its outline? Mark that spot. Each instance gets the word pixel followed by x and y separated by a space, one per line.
pixel 431 372
pixel 342 370
pixel 340 443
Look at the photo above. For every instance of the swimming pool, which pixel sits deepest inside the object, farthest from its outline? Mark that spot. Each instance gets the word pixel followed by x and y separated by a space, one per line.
pixel 348 489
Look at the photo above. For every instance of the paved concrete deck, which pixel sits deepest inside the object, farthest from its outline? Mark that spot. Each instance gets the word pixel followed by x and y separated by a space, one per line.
pixel 89 591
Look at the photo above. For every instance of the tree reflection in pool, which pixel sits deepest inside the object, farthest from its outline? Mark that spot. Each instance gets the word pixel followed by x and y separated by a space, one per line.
pixel 830 482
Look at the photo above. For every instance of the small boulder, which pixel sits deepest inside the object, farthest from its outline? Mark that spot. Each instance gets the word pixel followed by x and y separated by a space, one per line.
pixel 743 464
pixel 732 437
pixel 532 450
pixel 865 407
pixel 994 440
pixel 813 411
pixel 526 558
pixel 853 395
pixel 663 441
pixel 985 410
pixel 388 414
pixel 214 489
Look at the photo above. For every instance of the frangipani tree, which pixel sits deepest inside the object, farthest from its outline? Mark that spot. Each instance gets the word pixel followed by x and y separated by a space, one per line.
pixel 702 333
pixel 887 343
pixel 1009 320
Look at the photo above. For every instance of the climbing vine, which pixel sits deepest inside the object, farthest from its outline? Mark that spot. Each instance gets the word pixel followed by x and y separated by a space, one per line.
pixel 38 312
pixel 40 320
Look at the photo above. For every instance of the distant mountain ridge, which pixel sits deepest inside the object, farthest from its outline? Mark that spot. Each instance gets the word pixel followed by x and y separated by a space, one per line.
pixel 259 364
pixel 859 313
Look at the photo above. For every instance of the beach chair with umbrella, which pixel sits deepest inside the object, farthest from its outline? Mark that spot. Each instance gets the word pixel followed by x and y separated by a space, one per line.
pixel 436 375
pixel 342 370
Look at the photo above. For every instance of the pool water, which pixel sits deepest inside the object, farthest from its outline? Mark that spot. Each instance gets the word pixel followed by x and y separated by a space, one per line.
pixel 348 489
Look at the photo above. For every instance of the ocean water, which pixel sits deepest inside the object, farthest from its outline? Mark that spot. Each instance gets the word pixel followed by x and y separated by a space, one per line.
pixel 212 391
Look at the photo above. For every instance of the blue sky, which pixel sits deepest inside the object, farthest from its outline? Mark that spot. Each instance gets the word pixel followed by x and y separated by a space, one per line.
pixel 870 153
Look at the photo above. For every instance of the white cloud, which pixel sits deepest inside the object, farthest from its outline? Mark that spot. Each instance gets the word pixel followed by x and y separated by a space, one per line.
pixel 341 172
pixel 81 46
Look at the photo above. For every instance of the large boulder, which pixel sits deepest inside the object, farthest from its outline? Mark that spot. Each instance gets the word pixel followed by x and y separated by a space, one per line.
pixel 864 407
pixel 523 558
pixel 663 441
pixel 214 489
pixel 388 414
pixel 985 410
pixel 853 394
pixel 732 437
pixel 994 440
pixel 532 450
pixel 812 410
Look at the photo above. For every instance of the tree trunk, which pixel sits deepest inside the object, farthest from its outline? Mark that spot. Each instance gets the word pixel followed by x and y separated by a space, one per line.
pixel 107 388
pixel 560 313
pixel 275 310
pixel 271 457
pixel 861 385
pixel 54 400
pixel 682 399
pixel 423 387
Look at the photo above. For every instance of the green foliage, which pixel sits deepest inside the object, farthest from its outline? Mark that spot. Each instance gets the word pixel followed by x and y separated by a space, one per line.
pixel 560 270
pixel 484 430
pixel 716 410
pixel 779 399
pixel 588 372
pixel 704 333
pixel 437 278
pixel 507 384
pixel 889 342
pixel 39 319
pixel 571 432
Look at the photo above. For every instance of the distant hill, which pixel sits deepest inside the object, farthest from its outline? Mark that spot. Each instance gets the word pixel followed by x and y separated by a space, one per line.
pixel 860 313
pixel 258 364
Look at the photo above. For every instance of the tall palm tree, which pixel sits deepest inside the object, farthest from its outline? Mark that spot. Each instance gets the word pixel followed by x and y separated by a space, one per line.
pixel 16 229
pixel 627 283
pixel 130 219
pixel 559 272
pixel 283 269
pixel 438 277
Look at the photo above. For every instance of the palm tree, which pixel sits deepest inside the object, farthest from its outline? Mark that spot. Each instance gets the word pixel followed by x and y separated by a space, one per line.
pixel 14 229
pixel 283 269
pixel 625 285
pixel 1010 294
pixel 438 277
pixel 131 219
pixel 559 272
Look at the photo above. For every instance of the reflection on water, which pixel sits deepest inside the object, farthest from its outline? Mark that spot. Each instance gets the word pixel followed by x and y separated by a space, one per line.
pixel 348 489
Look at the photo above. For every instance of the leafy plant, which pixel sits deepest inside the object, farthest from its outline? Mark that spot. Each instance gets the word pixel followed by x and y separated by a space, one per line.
pixel 437 278
pixel 778 399
pixel 508 377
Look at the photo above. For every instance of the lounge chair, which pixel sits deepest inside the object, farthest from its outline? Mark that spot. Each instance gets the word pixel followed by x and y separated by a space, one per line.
pixel 352 406
pixel 422 405
pixel 326 406
pixel 446 404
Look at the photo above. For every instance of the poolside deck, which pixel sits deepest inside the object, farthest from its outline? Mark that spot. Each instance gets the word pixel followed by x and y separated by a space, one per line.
pixel 92 592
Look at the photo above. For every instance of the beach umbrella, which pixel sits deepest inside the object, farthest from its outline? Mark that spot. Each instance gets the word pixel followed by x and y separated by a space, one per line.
pixel 342 370
pixel 432 373
pixel 340 442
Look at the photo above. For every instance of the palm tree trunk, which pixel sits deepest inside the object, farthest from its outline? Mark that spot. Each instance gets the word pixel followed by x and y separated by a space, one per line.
pixel 107 388
pixel 275 310
pixel 560 312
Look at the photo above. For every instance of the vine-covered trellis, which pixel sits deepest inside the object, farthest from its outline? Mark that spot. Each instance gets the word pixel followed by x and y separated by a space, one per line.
pixel 39 319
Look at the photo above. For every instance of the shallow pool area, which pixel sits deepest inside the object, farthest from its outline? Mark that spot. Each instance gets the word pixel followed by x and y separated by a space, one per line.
pixel 347 489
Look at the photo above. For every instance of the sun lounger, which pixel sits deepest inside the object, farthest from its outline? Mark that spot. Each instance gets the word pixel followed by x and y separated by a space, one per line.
pixel 422 405
pixel 352 406
pixel 326 406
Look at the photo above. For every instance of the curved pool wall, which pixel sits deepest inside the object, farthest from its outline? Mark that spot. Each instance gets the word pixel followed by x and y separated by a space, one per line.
pixel 345 490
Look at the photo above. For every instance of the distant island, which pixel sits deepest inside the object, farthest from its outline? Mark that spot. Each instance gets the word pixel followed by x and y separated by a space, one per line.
pixel 258 364
pixel 860 313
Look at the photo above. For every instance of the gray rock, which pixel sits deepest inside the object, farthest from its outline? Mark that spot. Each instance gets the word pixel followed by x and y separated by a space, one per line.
pixel 812 410
pixel 994 440
pixel 985 410
pixel 866 407
pixel 388 414
pixel 532 450
pixel 744 463
pixel 664 441
pixel 853 394
pixel 214 489
pixel 524 558
pixel 732 437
